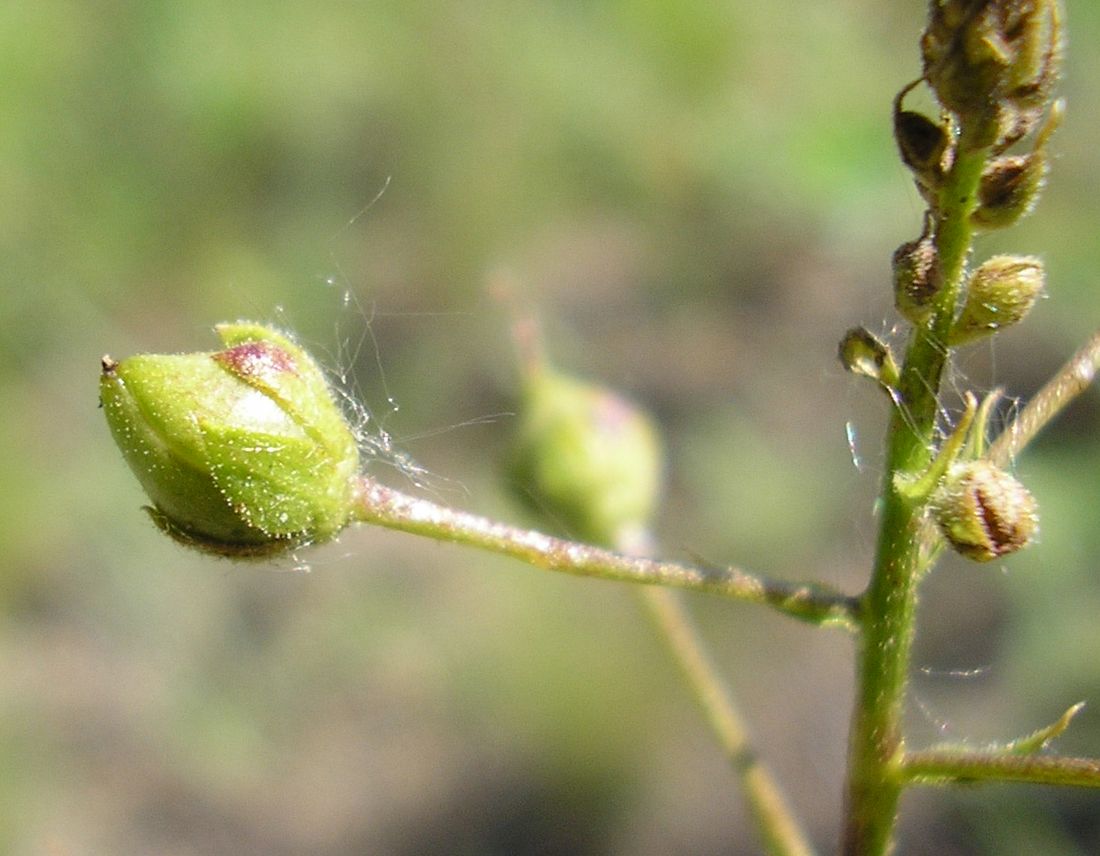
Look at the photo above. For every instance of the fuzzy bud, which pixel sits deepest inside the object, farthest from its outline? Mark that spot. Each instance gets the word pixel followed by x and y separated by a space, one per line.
pixel 983 512
pixel 243 452
pixel 1008 190
pixel 917 276
pixel 586 459
pixel 999 294
pixel 981 55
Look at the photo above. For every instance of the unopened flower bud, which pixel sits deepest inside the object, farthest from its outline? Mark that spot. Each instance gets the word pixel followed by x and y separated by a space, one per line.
pixel 1037 42
pixel 243 451
pixel 917 276
pixel 998 294
pixel 862 352
pixel 586 459
pixel 983 512
pixel 922 144
pixel 981 54
pixel 1008 189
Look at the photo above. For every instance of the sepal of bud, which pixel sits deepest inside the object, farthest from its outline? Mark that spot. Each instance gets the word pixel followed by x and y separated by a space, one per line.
pixel 983 512
pixel 1038 43
pixel 586 458
pixel 999 294
pixel 243 451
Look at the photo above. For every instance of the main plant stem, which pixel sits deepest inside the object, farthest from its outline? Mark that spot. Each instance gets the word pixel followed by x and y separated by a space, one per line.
pixel 876 748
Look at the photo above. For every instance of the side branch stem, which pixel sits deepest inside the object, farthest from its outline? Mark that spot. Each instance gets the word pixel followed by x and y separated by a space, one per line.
pixel 947 767
pixel 1070 381
pixel 774 818
pixel 378 504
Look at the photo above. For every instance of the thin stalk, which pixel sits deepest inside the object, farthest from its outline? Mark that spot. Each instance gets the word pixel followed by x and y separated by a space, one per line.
pixel 1070 381
pixel 876 744
pixel 775 820
pixel 810 602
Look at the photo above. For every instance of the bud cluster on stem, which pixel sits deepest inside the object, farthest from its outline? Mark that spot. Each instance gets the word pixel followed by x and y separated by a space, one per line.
pixel 991 65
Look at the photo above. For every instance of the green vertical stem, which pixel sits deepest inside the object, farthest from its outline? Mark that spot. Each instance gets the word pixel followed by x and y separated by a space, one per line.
pixel 876 747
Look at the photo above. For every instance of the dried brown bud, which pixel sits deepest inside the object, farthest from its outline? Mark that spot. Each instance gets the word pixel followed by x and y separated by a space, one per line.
pixel 917 276
pixel 1009 189
pixel 863 353
pixel 982 55
pixel 983 512
pixel 921 142
pixel 999 294
pixel 925 145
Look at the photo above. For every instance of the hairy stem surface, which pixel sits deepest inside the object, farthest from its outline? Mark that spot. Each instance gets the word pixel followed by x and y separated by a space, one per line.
pixel 889 603
pixel 383 506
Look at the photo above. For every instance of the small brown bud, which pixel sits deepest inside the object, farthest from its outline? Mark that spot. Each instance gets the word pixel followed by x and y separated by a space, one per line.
pixel 999 294
pixel 925 145
pixel 917 276
pixel 863 353
pixel 983 512
pixel 921 142
pixel 1009 189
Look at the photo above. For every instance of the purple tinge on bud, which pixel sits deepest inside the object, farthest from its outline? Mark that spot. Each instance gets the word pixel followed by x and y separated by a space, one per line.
pixel 260 362
pixel 243 451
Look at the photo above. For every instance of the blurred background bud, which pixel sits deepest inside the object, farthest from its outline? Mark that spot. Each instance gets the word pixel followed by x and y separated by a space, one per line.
pixel 586 459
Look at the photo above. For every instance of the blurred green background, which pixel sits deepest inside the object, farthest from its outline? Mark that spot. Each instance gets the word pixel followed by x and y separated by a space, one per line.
pixel 700 198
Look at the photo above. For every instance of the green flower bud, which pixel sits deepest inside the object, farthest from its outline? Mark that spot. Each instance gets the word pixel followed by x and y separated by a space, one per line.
pixel 917 276
pixel 586 458
pixel 243 452
pixel 999 294
pixel 983 512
